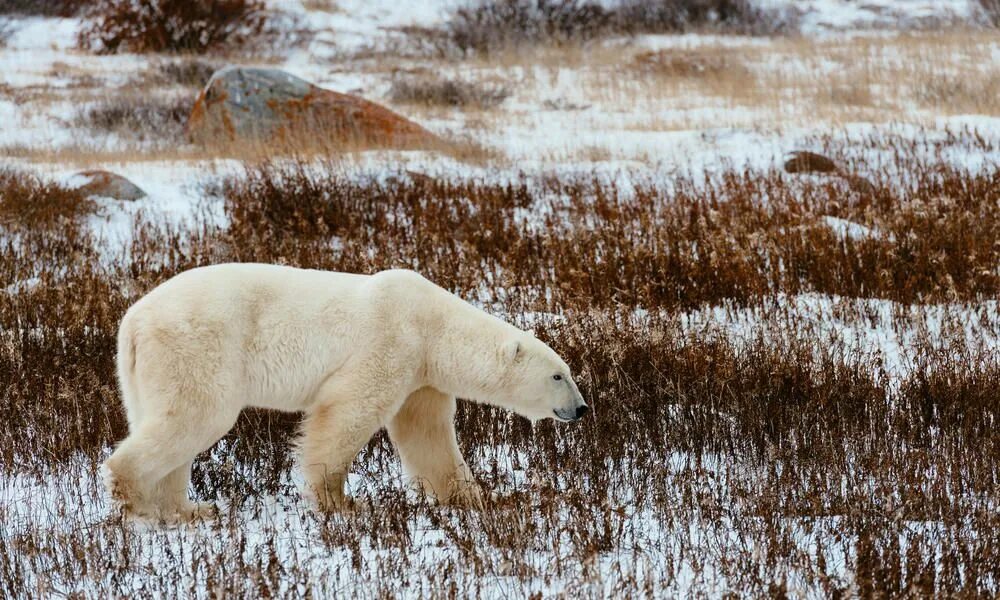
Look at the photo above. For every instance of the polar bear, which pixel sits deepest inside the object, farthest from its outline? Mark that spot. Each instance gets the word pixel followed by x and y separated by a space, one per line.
pixel 355 353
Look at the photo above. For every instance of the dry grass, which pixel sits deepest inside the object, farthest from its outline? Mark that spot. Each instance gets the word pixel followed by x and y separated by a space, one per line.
pixel 958 93
pixel 768 465
pixel 438 91
pixel 329 6
pixel 171 25
pixel 142 119
pixel 991 10
pixel 135 142
pixel 774 85
pixel 186 72
pixel 750 84
pixel 690 64
pixel 487 27
pixel 782 462
pixel 27 201
pixel 44 8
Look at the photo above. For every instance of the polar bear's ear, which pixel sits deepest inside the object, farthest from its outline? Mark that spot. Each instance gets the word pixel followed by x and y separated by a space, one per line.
pixel 512 350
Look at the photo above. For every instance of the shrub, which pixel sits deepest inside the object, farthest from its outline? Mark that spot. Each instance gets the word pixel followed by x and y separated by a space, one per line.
pixel 171 25
pixel 497 24
pixel 492 25
pixel 187 73
pixel 28 201
pixel 991 10
pixel 138 117
pixel 447 92
pixel 41 8
pixel 689 64
pixel 664 16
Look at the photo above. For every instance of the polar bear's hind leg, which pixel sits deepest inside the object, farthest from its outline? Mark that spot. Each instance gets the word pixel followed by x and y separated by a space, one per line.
pixel 149 471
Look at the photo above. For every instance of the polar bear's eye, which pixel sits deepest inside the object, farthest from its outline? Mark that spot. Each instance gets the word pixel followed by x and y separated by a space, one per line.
pixel 557 377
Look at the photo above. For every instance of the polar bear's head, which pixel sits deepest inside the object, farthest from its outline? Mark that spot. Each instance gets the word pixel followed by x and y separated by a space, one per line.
pixel 537 383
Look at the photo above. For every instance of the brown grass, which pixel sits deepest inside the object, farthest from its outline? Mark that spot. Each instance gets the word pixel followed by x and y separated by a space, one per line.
pixel 486 27
pixel 28 201
pixel 187 72
pixel 45 8
pixel 784 83
pixel 321 5
pixel 778 460
pixel 437 91
pixel 141 119
pixel 171 25
pixel 690 64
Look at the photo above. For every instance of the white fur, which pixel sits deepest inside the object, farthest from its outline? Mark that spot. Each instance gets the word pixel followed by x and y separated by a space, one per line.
pixel 354 352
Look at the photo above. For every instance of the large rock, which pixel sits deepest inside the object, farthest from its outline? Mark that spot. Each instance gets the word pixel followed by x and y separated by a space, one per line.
pixel 269 105
pixel 106 184
pixel 803 161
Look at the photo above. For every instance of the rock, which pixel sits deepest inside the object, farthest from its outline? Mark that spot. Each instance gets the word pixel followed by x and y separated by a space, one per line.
pixel 420 178
pixel 269 104
pixel 106 184
pixel 810 162
pixel 860 185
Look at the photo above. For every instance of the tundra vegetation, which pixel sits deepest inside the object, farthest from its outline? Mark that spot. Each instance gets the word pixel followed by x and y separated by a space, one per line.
pixel 772 461
pixel 792 371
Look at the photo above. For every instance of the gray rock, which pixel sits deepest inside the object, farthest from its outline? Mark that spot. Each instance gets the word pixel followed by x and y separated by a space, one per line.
pixel 268 104
pixel 106 184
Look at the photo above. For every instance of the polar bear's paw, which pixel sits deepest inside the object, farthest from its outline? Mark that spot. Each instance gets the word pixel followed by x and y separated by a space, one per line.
pixel 343 503
pixel 194 512
pixel 121 490
pixel 466 495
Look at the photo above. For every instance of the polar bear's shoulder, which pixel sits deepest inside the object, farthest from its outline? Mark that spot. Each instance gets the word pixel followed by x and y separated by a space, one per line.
pixel 403 282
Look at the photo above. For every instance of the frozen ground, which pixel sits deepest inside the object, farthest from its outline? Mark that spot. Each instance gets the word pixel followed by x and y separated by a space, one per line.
pixel 628 132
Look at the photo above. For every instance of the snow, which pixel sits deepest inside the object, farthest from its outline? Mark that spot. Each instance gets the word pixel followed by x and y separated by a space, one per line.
pixel 536 135
pixel 43 34
pixel 850 230
pixel 29 128
pixel 873 331
pixel 824 16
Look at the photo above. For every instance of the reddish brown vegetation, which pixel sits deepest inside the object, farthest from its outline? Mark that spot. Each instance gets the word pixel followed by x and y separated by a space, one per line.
pixel 780 462
pixel 27 200
pixel 486 26
pixel 171 25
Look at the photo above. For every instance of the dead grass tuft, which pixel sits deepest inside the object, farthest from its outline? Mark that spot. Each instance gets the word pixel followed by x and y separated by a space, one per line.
pixel 958 94
pixel 28 201
pixel 690 64
pixel 488 26
pixel 991 10
pixel 141 118
pixel 436 91
pixel 44 8
pixel 186 72
pixel 171 25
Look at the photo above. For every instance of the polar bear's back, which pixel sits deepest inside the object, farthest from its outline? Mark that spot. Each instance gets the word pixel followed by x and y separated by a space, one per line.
pixel 274 331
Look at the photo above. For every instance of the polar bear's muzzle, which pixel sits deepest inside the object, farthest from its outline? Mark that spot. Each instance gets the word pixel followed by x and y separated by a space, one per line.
pixel 572 414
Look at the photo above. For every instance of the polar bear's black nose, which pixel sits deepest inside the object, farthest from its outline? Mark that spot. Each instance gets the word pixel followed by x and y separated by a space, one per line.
pixel 581 410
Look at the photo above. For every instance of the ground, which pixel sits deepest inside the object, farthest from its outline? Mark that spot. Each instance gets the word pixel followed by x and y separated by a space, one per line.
pixel 792 376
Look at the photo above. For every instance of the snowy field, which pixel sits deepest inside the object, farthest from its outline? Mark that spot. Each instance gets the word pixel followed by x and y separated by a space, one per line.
pixel 793 375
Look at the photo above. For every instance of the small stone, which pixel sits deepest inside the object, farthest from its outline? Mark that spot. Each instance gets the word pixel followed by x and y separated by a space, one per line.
pixel 810 162
pixel 107 185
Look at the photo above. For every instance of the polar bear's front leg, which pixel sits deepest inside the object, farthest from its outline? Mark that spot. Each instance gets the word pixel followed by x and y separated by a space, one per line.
pixel 423 432
pixel 332 435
